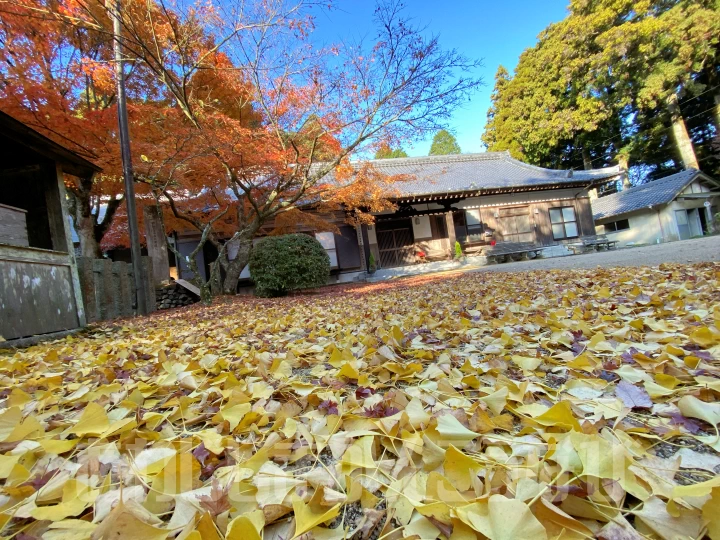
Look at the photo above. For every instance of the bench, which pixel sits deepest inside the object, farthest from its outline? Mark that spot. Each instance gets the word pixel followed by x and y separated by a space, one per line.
pixel 596 242
pixel 512 251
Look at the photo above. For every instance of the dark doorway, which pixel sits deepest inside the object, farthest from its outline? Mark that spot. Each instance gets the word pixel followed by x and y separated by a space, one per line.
pixel 396 243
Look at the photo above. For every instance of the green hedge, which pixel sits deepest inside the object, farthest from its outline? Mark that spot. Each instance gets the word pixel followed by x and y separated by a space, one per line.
pixel 279 264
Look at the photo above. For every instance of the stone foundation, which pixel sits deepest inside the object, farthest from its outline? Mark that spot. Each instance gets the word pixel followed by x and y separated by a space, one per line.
pixel 173 295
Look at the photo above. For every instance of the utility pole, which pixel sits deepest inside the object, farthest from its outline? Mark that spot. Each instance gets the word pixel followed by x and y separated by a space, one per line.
pixel 127 165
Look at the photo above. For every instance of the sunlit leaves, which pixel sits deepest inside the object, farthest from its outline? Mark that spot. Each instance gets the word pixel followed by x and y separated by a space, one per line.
pixel 450 432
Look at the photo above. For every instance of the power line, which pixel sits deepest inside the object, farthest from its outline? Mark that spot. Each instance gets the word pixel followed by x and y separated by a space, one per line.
pixel 574 153
pixel 700 94
pixel 620 136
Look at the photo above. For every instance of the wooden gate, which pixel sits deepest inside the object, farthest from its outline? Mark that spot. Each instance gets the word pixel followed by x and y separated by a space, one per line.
pixel 396 243
pixel 516 225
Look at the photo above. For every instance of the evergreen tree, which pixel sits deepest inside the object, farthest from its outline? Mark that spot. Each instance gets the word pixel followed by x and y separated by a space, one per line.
pixel 385 152
pixel 615 77
pixel 444 143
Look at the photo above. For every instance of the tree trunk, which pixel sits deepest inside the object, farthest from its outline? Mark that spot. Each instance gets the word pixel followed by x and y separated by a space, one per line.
pixel 716 114
pixel 89 246
pixel 680 134
pixel 587 162
pixel 235 266
pixel 624 164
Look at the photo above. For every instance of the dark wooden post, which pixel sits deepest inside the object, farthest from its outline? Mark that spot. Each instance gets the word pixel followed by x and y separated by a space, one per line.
pixel 87 286
pixel 450 224
pixel 105 297
pixel 125 287
pixel 147 268
pixel 156 245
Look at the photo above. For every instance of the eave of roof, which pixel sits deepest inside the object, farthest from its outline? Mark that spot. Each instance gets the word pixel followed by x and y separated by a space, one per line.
pixel 21 133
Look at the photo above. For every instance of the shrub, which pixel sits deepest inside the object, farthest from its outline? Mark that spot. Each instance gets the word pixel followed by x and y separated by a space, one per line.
pixel 279 264
pixel 372 265
pixel 458 250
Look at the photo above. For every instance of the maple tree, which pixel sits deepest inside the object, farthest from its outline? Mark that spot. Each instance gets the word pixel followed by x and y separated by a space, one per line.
pixel 58 79
pixel 251 125
pixel 263 124
pixel 576 404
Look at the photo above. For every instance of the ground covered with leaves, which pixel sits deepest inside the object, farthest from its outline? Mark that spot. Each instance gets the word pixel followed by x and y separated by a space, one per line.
pixel 573 404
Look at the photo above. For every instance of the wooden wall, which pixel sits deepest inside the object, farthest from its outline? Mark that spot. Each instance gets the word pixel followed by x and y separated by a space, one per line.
pixel 36 288
pixel 13 227
pixel 543 229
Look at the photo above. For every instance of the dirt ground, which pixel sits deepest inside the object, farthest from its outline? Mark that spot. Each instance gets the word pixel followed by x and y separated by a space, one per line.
pixel 686 251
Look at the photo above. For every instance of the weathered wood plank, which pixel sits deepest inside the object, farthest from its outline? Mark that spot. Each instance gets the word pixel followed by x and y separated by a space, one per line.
pixel 13 226
pixel 35 298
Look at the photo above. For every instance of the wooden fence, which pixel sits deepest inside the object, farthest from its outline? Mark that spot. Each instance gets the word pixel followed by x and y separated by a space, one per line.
pixel 108 288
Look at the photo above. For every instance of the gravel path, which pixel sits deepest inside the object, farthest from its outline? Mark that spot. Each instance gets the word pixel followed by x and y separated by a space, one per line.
pixel 686 251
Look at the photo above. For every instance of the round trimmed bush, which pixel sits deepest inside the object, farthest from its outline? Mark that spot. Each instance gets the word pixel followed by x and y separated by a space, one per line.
pixel 279 264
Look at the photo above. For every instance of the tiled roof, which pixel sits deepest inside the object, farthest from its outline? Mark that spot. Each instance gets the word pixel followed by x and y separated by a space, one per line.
pixel 653 193
pixel 478 172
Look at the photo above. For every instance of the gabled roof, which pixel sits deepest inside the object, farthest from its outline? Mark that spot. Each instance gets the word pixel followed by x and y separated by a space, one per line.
pixel 489 171
pixel 25 135
pixel 657 192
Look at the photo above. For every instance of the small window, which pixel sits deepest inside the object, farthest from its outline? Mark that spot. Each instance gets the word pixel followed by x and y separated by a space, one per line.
pixel 475 227
pixel 619 225
pixel 327 241
pixel 563 222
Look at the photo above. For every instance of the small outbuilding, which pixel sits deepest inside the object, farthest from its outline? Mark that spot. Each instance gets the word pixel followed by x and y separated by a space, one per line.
pixel 677 207
pixel 40 291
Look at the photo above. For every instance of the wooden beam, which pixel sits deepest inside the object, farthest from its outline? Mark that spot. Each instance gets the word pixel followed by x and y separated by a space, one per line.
pixel 17 171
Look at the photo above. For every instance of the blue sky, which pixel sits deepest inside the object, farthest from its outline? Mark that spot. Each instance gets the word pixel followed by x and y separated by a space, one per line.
pixel 496 31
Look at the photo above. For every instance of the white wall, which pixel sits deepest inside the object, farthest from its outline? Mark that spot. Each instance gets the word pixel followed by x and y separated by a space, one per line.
pixel 650 226
pixel 421 227
pixel 644 229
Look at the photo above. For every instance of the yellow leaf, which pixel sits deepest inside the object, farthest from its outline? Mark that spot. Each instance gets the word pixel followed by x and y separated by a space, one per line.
pixel 181 473
pixel 273 484
pixel 212 440
pixel 694 408
pixel 234 414
pixel 511 519
pixel 359 455
pixel 93 421
pixel 9 420
pixel 453 432
pixel 129 521
pixel 439 488
pixel 497 400
pixel 477 516
pixel 311 515
pixel 417 415
pixel 711 514
pixel 7 463
pixel 246 526
pixel 559 415
pixel 207 529
pixel 460 468
pixel 705 337
pixel 349 371
pixel 70 529
pixel 526 362
pixel 654 514
pixel 700 489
